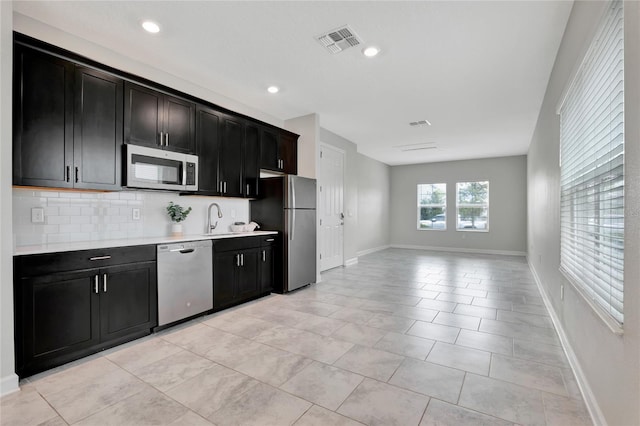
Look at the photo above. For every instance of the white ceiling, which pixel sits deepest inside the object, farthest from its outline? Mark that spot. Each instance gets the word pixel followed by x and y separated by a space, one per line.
pixel 476 70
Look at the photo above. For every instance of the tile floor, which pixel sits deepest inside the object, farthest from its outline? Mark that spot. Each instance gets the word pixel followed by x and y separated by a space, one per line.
pixel 405 337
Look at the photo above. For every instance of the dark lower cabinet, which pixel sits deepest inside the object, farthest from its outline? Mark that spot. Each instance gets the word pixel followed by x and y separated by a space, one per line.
pixel 267 274
pixel 62 315
pixel 238 268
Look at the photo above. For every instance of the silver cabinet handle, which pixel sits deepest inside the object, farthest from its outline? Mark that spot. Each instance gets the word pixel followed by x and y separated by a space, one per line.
pixel 220 187
pixel 264 255
pixel 99 258
pixel 95 284
pixel 248 189
pixel 270 240
pixel 161 138
pixel 104 283
pixel 166 139
pixel 241 259
pixel 225 187
pixel 237 260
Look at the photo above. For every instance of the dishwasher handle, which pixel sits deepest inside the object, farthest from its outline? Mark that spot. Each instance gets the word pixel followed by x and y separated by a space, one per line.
pixel 183 251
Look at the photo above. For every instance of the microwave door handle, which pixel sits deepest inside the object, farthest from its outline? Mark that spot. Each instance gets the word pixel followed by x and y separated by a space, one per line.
pixel 184 174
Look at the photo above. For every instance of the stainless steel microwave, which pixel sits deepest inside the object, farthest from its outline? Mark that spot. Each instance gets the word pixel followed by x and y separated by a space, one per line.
pixel 152 168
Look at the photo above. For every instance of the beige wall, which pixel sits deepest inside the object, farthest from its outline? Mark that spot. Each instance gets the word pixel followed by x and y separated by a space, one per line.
pixel 8 379
pixel 507 205
pixel 606 365
pixel 374 200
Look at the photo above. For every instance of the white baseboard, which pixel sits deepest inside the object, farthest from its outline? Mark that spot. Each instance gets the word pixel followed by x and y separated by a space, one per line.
pixel 351 262
pixel 460 250
pixel 372 250
pixel 9 384
pixel 587 394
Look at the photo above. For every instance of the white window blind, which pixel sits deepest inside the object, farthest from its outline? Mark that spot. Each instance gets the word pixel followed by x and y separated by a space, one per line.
pixel 592 170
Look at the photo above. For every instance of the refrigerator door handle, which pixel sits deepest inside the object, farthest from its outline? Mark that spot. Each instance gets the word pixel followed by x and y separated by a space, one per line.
pixel 293 195
pixel 292 224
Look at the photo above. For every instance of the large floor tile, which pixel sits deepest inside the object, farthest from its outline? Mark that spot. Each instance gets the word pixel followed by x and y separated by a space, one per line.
pixel 323 384
pixel 310 345
pixel 430 379
pixel 486 342
pixel 191 419
pixel 467 359
pixel 390 323
pixel 370 362
pixel 196 338
pixel 520 331
pixel 354 315
pixel 479 311
pixel 261 405
pixel 544 377
pixel 144 353
pixel 561 411
pixel 273 366
pixel 148 407
pixel 239 324
pixel 379 404
pixel 540 352
pixel 503 400
pixel 173 370
pixel 318 416
pixel 402 344
pixel 525 318
pixel 212 390
pixel 25 407
pixel 443 333
pixel 232 350
pixel 359 334
pixel 456 320
pixel 440 413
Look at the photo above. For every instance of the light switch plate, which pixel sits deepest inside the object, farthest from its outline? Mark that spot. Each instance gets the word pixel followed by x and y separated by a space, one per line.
pixel 37 215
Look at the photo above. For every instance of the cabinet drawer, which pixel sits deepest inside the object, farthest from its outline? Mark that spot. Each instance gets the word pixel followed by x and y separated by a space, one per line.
pixel 239 243
pixel 40 264
pixel 268 240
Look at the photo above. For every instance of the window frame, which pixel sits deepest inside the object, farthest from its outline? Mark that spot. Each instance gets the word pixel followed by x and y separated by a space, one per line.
pixel 485 205
pixel 431 205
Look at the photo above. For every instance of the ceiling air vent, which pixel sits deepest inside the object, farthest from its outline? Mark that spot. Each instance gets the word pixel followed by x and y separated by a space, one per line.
pixel 420 123
pixel 337 40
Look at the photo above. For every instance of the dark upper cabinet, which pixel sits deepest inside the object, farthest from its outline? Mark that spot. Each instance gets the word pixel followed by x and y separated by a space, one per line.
pixel 42 119
pixel 208 147
pixel 97 130
pixel 279 151
pixel 158 120
pixel 67 123
pixel 231 152
pixel 251 167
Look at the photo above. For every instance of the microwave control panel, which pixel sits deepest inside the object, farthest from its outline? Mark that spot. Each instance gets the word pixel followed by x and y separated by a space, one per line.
pixel 191 174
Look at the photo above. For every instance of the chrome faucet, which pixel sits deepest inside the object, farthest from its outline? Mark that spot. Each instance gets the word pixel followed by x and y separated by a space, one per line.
pixel 211 227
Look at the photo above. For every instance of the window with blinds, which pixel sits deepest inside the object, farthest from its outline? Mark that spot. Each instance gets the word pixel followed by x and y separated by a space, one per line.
pixel 592 170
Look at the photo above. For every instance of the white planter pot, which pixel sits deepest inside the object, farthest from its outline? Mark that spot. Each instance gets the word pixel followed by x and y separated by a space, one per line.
pixel 176 229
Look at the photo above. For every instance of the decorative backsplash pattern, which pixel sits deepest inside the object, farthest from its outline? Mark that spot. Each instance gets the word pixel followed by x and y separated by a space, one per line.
pixel 71 216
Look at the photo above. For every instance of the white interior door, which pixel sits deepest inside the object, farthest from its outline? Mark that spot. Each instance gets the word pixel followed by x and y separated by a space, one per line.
pixel 331 208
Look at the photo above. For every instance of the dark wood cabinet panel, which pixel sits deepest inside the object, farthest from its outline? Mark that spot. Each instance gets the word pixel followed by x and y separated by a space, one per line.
pixel 43 119
pixel 143 115
pixel 288 149
pixel 269 158
pixel 266 269
pixel 62 314
pixel 208 147
pixel 179 125
pixel 247 282
pixel 251 167
pixel 128 299
pixel 224 278
pixel 154 119
pixel 98 130
pixel 230 166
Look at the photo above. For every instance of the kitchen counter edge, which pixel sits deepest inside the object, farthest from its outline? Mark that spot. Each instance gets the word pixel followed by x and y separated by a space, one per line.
pixel 126 242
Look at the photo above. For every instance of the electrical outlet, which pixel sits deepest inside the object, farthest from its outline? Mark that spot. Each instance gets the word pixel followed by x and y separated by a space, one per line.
pixel 37 215
pixel 136 214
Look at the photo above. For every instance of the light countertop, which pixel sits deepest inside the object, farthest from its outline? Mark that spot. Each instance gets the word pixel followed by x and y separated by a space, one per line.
pixel 89 245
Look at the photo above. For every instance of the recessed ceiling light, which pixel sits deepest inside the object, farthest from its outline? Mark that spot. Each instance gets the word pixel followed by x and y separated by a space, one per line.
pixel 273 89
pixel 151 27
pixel 370 51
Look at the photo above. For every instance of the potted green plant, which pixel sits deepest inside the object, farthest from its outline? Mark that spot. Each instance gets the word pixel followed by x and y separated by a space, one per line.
pixel 177 214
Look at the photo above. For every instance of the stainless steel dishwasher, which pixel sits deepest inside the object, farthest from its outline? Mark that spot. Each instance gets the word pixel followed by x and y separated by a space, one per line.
pixel 185 280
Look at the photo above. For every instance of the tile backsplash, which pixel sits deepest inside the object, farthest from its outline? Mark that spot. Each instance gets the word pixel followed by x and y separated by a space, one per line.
pixel 71 216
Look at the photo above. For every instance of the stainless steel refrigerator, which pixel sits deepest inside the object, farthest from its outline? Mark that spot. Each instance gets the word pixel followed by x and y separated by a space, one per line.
pixel 288 204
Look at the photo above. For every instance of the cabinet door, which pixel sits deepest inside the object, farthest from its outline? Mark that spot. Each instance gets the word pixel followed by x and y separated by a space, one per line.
pixel 56 316
pixel 251 167
pixel 288 150
pixel 248 284
pixel 224 269
pixel 231 157
pixel 128 301
pixel 143 115
pixel 179 125
pixel 98 130
pixel 208 147
pixel 266 269
pixel 43 119
pixel 269 150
